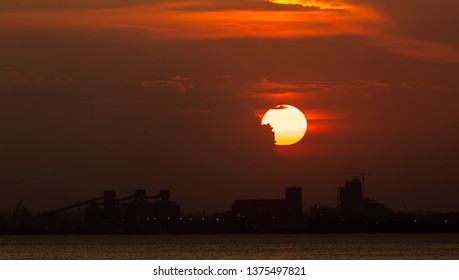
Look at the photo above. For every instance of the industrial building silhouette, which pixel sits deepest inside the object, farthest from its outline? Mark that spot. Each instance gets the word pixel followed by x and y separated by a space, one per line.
pixel 135 210
pixel 262 211
pixel 108 213
pixel 351 199
pixel 142 213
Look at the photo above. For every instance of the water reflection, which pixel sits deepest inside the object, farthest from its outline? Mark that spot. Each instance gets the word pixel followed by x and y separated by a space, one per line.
pixel 288 247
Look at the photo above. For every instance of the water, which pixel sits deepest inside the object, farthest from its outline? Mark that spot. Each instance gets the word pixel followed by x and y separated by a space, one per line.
pixel 287 247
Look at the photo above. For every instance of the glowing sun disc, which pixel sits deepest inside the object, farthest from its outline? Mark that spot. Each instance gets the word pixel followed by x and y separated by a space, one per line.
pixel 289 124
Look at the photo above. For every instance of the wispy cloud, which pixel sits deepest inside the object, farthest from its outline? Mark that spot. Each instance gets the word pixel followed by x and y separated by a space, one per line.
pixel 178 83
pixel 267 87
pixel 19 76
pixel 416 85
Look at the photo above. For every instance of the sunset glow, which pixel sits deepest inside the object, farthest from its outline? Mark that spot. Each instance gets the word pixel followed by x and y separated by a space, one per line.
pixel 173 93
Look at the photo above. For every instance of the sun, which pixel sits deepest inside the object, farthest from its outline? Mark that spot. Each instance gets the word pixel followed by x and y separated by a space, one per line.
pixel 289 124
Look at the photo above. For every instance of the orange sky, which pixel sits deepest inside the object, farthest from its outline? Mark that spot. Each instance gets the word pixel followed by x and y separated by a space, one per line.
pixel 191 19
pixel 114 93
pixel 209 20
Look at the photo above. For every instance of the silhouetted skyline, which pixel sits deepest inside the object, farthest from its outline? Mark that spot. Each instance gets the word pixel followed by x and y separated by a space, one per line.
pixel 158 213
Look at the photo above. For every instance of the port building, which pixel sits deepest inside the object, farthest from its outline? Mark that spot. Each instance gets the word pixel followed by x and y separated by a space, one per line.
pixel 263 210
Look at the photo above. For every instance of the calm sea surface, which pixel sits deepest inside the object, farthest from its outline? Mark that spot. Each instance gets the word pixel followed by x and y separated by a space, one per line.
pixel 288 247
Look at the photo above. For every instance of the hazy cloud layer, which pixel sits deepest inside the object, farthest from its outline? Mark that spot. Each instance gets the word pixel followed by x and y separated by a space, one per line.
pixel 380 23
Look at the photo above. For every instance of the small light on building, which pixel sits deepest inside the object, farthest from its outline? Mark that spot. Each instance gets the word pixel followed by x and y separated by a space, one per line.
pixel 415 221
pixel 446 221
pixel 218 219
